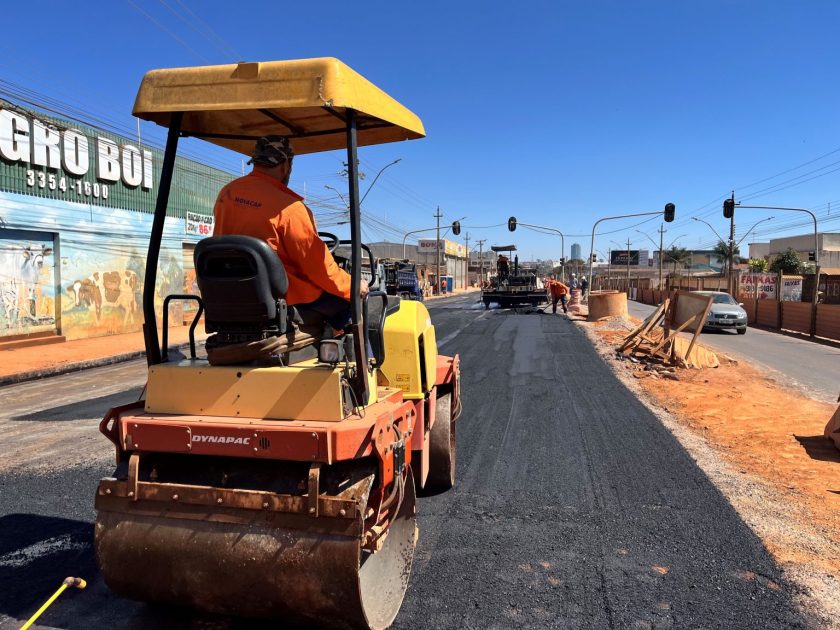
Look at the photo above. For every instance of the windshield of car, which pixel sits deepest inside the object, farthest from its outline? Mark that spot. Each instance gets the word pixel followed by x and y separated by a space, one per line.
pixel 724 299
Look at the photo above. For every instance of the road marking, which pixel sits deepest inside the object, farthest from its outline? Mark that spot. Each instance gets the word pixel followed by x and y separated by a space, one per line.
pixel 22 557
pixel 452 335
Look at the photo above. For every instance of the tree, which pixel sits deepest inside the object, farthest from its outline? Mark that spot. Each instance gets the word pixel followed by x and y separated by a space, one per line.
pixel 788 262
pixel 758 264
pixel 722 250
pixel 677 255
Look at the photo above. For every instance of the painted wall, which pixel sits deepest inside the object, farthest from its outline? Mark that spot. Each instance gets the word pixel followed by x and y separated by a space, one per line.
pixel 90 279
pixel 27 283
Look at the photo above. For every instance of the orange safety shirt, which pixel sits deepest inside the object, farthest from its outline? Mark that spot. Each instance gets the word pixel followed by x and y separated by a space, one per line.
pixel 261 206
pixel 557 288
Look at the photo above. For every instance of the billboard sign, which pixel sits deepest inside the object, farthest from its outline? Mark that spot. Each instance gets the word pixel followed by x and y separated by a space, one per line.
pixel 620 257
pixel 451 248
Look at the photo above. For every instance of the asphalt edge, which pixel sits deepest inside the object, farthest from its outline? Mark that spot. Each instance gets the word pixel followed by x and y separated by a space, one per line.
pixel 68 368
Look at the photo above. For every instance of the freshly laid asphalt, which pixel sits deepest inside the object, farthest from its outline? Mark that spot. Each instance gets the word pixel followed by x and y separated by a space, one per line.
pixel 574 506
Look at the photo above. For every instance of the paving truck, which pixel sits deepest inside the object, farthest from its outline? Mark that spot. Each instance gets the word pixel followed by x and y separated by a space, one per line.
pixel 260 484
pixel 513 285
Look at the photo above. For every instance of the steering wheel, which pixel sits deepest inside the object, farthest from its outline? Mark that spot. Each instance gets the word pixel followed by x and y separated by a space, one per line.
pixel 331 241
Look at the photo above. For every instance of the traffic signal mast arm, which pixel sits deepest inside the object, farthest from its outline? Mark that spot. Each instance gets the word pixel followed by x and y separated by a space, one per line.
pixel 729 204
pixel 512 223
pixel 668 212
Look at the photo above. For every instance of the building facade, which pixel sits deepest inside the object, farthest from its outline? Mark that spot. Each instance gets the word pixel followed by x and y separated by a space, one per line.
pixel 828 246
pixel 576 254
pixel 76 207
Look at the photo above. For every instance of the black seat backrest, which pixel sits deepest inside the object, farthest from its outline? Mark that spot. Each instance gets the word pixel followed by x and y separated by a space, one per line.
pixel 242 283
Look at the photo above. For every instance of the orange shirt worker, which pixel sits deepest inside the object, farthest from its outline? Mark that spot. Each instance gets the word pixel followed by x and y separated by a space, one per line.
pixel 261 205
pixel 558 292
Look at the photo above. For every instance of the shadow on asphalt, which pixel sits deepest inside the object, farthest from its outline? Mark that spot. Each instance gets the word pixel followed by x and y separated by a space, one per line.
pixel 819 447
pixel 36 554
pixel 90 408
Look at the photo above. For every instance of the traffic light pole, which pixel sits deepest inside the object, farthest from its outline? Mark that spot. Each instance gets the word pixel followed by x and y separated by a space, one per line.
pixel 669 216
pixel 661 242
pixel 733 290
pixel 562 245
pixel 816 258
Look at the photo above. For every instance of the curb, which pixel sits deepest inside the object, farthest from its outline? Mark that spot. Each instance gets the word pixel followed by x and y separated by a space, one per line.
pixel 68 368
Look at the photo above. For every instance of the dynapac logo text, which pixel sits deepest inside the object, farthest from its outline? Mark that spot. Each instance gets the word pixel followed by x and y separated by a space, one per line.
pixel 221 439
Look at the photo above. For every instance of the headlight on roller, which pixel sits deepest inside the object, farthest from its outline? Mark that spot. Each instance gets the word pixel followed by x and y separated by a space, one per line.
pixel 331 351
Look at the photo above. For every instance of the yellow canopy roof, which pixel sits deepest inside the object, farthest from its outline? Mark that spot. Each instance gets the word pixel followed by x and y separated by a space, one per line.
pixel 305 99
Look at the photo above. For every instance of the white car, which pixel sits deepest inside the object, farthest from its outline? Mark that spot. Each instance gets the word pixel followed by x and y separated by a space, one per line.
pixel 725 313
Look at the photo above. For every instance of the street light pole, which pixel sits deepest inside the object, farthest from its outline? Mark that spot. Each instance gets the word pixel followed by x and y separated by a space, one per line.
pixel 438 215
pixel 751 229
pixel 661 231
pixel 722 240
pixel 467 261
pixel 367 192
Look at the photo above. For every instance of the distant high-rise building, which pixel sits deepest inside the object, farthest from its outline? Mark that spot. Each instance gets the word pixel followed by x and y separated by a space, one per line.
pixel 576 251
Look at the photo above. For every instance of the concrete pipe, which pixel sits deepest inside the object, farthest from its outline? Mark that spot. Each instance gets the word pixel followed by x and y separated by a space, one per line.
pixel 604 304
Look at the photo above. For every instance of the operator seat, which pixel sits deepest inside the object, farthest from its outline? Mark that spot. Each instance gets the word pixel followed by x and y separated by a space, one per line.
pixel 243 286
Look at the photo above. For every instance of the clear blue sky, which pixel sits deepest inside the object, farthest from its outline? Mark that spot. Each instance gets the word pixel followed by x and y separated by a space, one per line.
pixel 556 112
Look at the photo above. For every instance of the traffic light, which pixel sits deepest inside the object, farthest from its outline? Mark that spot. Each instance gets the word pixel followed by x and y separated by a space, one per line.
pixel 456 227
pixel 670 209
pixel 728 208
pixel 594 257
pixel 562 260
pixel 812 256
pixel 512 224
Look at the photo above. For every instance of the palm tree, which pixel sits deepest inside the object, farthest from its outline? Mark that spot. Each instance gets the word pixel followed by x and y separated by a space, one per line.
pixel 722 251
pixel 677 255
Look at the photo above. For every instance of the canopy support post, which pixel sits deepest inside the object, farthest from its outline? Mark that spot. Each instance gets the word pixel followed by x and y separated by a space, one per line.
pixel 360 381
pixel 150 331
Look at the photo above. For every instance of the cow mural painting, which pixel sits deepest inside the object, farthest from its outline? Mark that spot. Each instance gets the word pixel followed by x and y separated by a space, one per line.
pixel 110 289
pixel 27 288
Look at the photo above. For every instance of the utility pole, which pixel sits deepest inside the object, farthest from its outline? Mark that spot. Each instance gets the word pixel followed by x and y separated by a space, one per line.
pixel 467 261
pixel 480 262
pixel 609 269
pixel 437 252
pixel 628 267
pixel 732 288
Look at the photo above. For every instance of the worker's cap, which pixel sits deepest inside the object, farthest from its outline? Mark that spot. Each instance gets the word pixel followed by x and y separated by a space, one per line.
pixel 272 150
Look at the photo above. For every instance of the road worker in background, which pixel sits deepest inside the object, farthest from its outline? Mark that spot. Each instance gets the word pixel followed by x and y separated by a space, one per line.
pixel 558 293
pixel 261 205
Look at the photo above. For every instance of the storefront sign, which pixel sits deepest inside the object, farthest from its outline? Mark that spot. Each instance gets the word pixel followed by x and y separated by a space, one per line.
pixel 761 286
pixel 451 248
pixel 200 224
pixel 792 289
pixel 68 152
